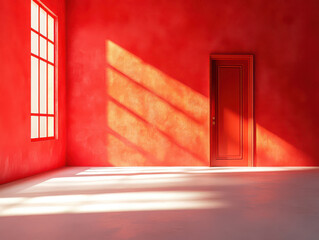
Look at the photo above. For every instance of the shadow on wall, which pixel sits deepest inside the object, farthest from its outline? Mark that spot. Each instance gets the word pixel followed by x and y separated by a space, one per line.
pixel 152 119
pixel 274 149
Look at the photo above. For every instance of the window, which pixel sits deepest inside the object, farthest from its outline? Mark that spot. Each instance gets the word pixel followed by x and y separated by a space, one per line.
pixel 43 67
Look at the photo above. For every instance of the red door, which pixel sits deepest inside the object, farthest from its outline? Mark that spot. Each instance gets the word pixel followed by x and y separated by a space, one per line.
pixel 231 110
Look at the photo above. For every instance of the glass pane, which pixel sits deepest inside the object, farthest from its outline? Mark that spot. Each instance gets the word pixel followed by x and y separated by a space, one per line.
pixel 43 22
pixel 34 16
pixel 50 28
pixel 43 87
pixel 34 126
pixel 34 85
pixel 43 48
pixel 50 89
pixel 34 43
pixel 50 126
pixel 43 126
pixel 50 52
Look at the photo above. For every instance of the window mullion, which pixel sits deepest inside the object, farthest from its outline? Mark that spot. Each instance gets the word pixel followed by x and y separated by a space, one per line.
pixel 47 67
pixel 46 38
pixel 39 72
pixel 54 77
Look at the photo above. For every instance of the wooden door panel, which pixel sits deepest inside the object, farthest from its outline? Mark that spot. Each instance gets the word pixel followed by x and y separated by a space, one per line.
pixel 229 117
pixel 231 111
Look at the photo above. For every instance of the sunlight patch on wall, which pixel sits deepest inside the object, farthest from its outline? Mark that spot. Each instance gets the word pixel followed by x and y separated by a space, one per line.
pixel 273 149
pixel 146 139
pixel 194 104
pixel 153 114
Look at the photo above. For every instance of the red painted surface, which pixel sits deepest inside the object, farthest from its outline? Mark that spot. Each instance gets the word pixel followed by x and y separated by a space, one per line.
pixel 229 115
pixel 19 157
pixel 138 79
pixel 230 89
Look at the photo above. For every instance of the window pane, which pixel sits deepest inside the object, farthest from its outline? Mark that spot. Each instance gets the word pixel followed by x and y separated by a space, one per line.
pixel 43 87
pixel 34 43
pixel 34 126
pixel 50 89
pixel 50 52
pixel 43 22
pixel 34 16
pixel 43 126
pixel 43 48
pixel 50 126
pixel 50 28
pixel 42 72
pixel 34 85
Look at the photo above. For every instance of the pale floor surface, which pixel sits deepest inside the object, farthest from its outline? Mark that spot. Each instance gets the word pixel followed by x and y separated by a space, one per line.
pixel 163 203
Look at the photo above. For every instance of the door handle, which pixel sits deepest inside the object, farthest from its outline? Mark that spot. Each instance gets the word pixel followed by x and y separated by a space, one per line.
pixel 213 121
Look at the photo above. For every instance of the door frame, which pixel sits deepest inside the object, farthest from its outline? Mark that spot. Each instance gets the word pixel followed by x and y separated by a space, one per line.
pixel 251 119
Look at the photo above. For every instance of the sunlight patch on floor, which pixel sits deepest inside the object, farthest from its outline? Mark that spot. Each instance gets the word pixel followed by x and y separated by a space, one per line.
pixel 110 202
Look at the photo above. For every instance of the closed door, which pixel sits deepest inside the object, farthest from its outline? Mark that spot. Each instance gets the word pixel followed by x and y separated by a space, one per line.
pixel 231 110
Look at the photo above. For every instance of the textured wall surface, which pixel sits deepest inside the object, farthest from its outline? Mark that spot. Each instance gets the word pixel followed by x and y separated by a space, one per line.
pixel 138 78
pixel 19 157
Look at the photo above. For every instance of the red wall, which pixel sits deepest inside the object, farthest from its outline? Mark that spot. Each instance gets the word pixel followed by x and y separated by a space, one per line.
pixel 138 82
pixel 19 157
pixel 138 78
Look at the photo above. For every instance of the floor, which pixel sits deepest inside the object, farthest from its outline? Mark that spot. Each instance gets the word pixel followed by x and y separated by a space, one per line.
pixel 163 203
